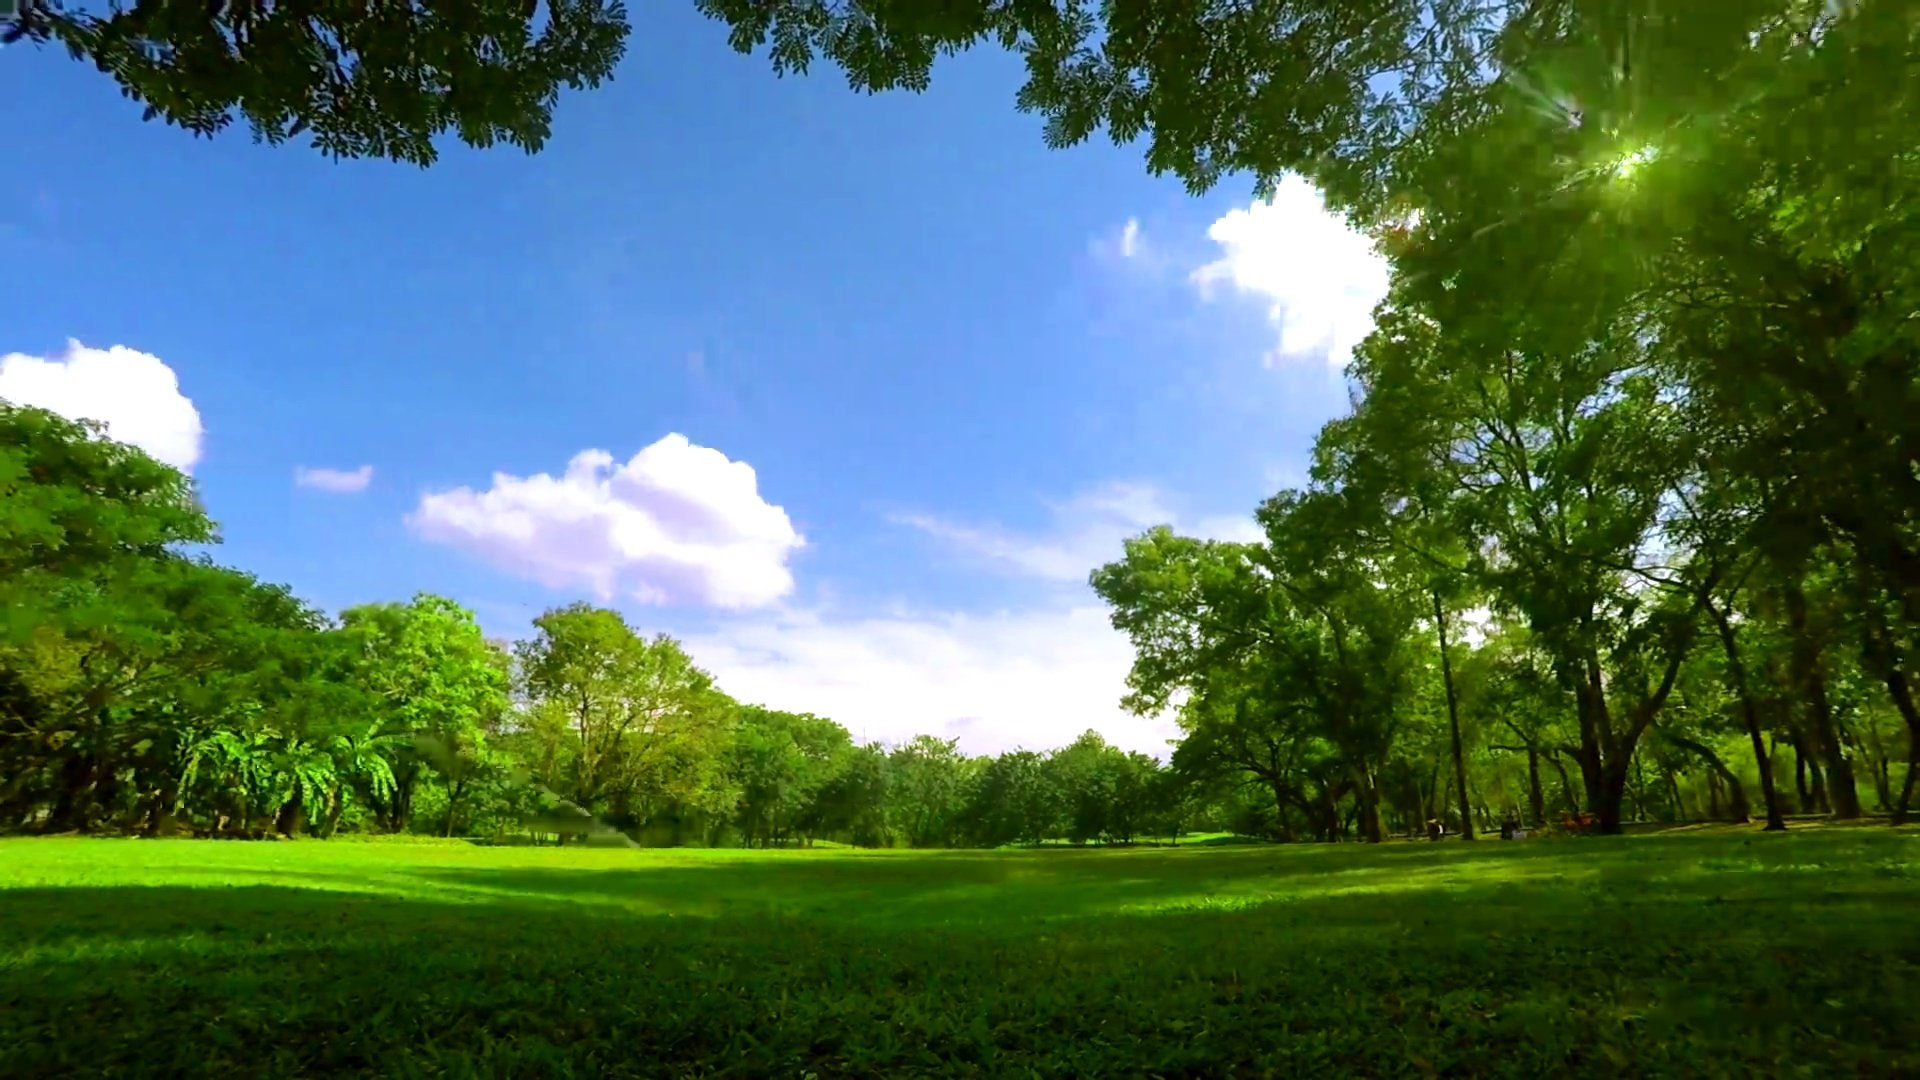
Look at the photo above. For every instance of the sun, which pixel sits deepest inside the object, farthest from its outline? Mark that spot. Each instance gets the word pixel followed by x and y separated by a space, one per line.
pixel 1626 165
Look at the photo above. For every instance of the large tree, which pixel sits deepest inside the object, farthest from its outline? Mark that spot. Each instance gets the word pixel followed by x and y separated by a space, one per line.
pixel 629 724
pixel 430 676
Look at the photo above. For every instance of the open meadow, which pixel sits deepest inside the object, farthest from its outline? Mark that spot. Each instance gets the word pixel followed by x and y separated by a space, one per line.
pixel 1680 954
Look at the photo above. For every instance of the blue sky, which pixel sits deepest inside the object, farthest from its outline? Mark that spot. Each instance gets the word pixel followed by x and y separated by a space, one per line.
pixel 960 366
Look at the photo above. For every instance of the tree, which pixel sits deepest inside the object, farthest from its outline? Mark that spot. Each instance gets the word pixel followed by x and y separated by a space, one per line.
pixel 927 781
pixel 1297 649
pixel 854 804
pixel 1014 800
pixel 635 725
pixel 428 674
pixel 779 763
pixel 381 80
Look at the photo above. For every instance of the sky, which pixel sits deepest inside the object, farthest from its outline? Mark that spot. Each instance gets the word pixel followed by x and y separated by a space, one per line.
pixel 847 393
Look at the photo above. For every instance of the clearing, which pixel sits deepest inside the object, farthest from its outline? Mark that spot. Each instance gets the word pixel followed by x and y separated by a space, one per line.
pixel 1709 952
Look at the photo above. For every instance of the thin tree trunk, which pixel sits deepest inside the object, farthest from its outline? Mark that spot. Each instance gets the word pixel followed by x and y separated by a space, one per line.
pixel 1817 780
pixel 1905 806
pixel 1536 799
pixel 1453 720
pixel 1902 694
pixel 1800 777
pixel 1736 792
pixel 1877 769
pixel 1749 715
pixel 336 803
pixel 1566 784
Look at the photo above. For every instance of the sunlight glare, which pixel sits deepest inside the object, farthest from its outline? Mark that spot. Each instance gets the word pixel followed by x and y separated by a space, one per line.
pixel 1625 166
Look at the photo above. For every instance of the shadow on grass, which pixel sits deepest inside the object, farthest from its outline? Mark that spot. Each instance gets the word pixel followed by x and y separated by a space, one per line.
pixel 1643 957
pixel 1011 888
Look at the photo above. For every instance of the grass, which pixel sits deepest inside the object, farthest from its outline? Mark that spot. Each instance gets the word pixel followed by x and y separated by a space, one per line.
pixel 1684 954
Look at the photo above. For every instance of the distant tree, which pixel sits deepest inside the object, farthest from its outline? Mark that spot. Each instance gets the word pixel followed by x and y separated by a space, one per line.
pixel 854 804
pixel 779 763
pixel 630 725
pixel 1014 799
pixel 429 675
pixel 927 781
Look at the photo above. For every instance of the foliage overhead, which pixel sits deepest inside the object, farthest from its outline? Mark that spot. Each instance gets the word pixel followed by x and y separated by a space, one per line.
pixel 359 80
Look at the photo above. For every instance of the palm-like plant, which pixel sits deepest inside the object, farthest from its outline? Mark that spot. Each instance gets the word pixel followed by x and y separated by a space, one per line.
pixel 301 774
pixel 363 758
pixel 226 771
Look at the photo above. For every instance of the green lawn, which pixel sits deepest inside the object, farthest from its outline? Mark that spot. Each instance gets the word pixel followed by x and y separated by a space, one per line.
pixel 1681 954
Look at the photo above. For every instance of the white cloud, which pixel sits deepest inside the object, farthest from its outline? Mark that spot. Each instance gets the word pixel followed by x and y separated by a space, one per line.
pixel 339 481
pixel 1126 242
pixel 1231 527
pixel 135 394
pixel 677 523
pixel 1034 679
pixel 1088 531
pixel 1322 278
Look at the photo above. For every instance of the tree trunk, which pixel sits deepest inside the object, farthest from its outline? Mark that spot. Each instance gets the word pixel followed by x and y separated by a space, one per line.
pixel 1612 798
pixel 402 812
pixel 293 815
pixel 1367 799
pixel 336 804
pixel 1453 721
pixel 1673 792
pixel 1841 793
pixel 1902 695
pixel 455 793
pixel 1589 705
pixel 1877 769
pixel 1905 805
pixel 1719 776
pixel 75 795
pixel 1749 716
pixel 166 811
pixel 1280 803
pixel 1536 799
pixel 1799 773
pixel 1566 784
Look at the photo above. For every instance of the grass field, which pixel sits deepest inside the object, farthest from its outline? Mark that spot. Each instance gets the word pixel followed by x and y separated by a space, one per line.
pixel 1683 954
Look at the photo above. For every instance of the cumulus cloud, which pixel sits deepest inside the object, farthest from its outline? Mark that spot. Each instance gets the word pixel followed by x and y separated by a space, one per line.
pixel 1130 239
pixel 676 524
pixel 998 681
pixel 1034 676
pixel 1087 531
pixel 338 481
pixel 135 394
pixel 1321 277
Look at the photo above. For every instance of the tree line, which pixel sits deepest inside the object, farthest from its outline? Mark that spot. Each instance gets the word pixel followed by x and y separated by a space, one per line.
pixel 146 689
